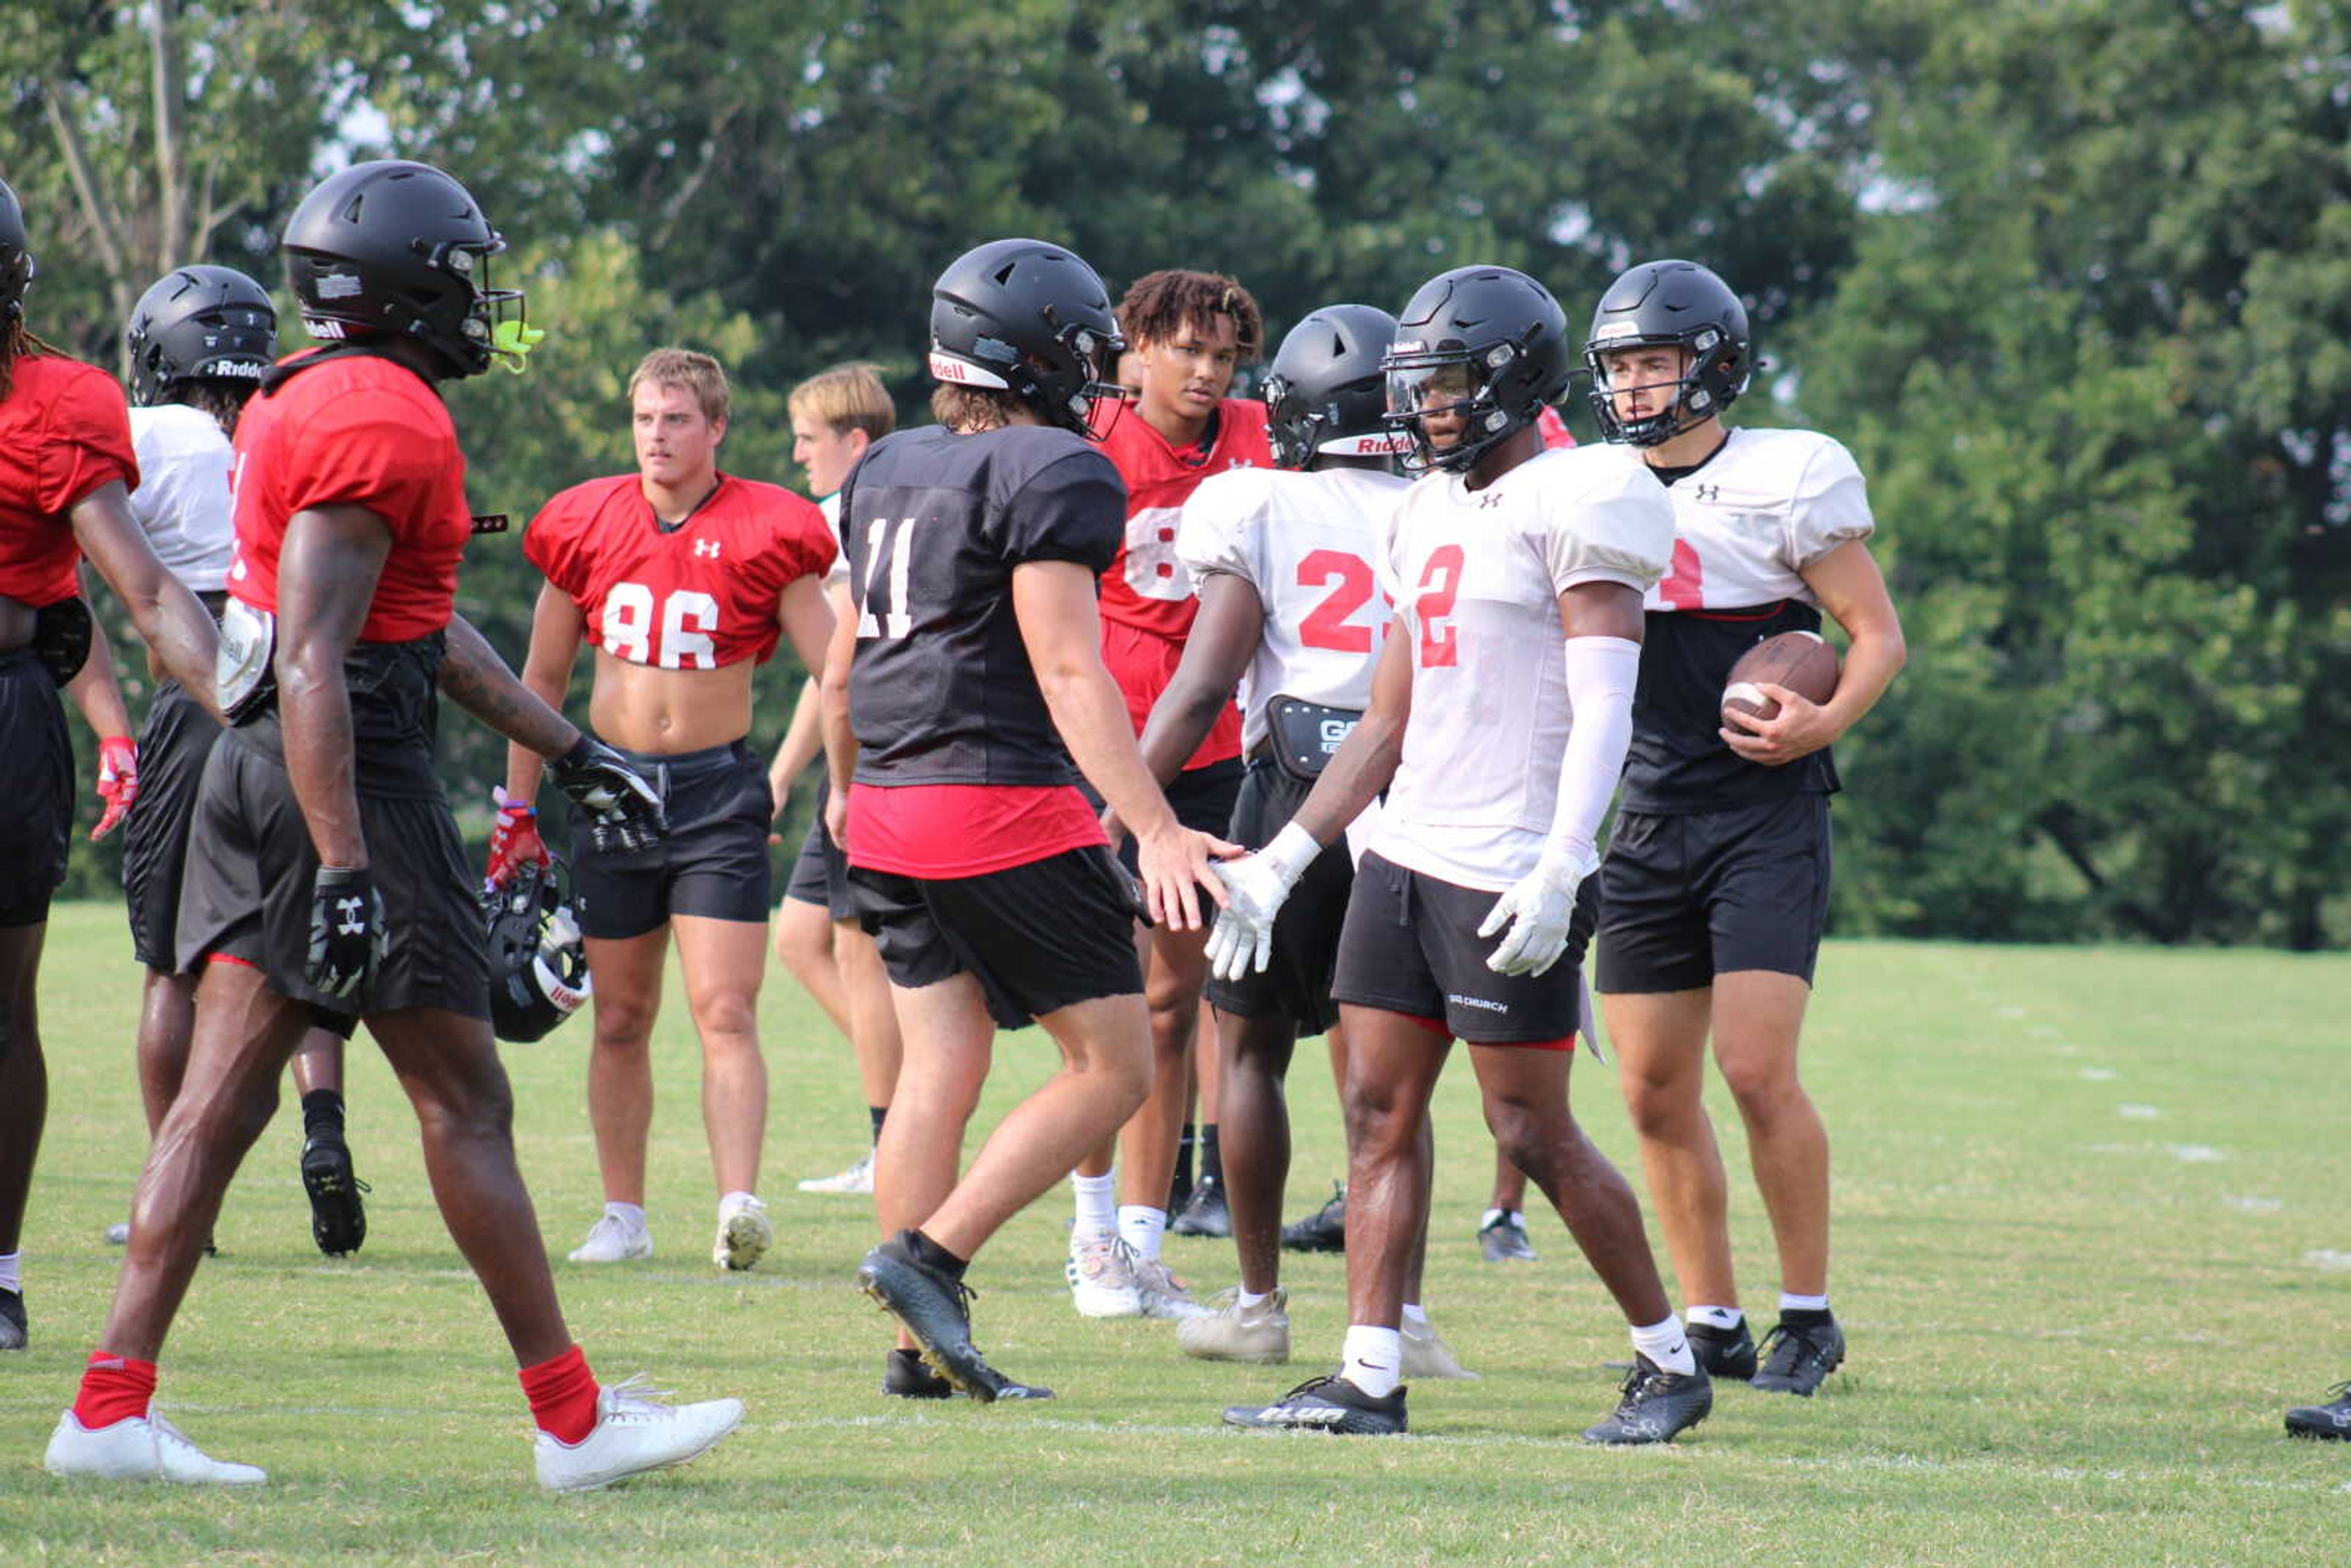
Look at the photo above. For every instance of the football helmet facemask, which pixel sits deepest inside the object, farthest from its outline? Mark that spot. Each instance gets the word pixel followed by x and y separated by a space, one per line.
pixel 199 322
pixel 16 261
pixel 401 248
pixel 1325 392
pixel 1672 304
pixel 539 961
pixel 1482 348
pixel 1031 319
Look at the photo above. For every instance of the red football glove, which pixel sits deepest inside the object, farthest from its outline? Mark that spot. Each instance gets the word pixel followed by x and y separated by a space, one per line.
pixel 118 781
pixel 513 840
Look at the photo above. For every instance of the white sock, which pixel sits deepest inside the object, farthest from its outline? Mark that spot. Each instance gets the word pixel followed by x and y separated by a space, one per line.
pixel 1724 1318
pixel 1373 1359
pixel 1097 1206
pixel 730 1199
pixel 1789 1303
pixel 1415 1316
pixel 1140 1225
pixel 1487 1220
pixel 1245 1297
pixel 1664 1343
pixel 629 1214
pixel 11 1270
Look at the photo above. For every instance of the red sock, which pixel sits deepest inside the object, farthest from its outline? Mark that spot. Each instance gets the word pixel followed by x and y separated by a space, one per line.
pixel 562 1394
pixel 113 1388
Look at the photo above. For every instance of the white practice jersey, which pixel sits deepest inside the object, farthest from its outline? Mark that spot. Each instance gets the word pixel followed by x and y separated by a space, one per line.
pixel 1767 504
pixel 837 574
pixel 1477 575
pixel 183 501
pixel 1306 542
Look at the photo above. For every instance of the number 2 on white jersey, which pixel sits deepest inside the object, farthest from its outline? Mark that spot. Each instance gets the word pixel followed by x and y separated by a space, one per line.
pixel 1440 584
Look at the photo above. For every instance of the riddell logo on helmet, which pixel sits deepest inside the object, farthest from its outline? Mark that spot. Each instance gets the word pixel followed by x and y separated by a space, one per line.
pixel 962 372
pixel 1383 444
pixel 322 327
pixel 238 369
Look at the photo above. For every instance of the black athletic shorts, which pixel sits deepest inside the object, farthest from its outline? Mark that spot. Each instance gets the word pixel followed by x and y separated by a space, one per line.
pixel 36 775
pixel 1297 983
pixel 713 861
pixel 1685 898
pixel 1203 800
pixel 1038 938
pixel 1411 947
pixel 172 750
pixel 821 871
pixel 244 892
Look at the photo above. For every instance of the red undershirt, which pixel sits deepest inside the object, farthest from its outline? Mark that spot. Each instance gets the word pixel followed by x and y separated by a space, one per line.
pixel 943 830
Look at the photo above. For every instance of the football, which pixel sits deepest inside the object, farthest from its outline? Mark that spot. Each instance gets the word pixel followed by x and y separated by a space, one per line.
pixel 1800 661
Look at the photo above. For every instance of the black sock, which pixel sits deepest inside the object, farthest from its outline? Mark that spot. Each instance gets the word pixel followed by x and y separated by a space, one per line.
pixel 880 1113
pixel 1212 1156
pixel 1183 1159
pixel 931 1255
pixel 322 1112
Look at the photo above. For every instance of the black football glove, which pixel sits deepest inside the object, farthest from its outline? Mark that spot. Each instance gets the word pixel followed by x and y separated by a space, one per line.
pixel 347 931
pixel 624 809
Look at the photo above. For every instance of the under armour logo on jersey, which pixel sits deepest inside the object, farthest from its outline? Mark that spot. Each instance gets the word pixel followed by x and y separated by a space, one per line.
pixel 1491 498
pixel 350 924
pixel 1707 494
pixel 706 550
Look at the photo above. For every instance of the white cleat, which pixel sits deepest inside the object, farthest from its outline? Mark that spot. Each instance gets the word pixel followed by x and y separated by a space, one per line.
pixel 634 1433
pixel 744 1233
pixel 856 1181
pixel 1163 1295
pixel 613 1239
pixel 1428 1357
pixel 140 1449
pixel 119 1233
pixel 1102 1278
pixel 1259 1334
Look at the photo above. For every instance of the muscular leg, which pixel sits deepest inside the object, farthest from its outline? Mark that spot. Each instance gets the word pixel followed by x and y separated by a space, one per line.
pixel 23 1075
pixel 949 1042
pixel 722 962
pixel 804 945
pixel 1391 1068
pixel 628 977
pixel 1173 977
pixel 319 1062
pixel 1510 1185
pixel 1525 1094
pixel 1661 1054
pixel 1755 1031
pixel 449 1066
pixel 167 1019
pixel 243 1033
pixel 873 1021
pixel 1257 1133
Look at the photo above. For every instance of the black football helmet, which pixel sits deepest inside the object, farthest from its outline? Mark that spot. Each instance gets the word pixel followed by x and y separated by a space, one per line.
pixel 539 963
pixel 1682 305
pixel 199 322
pixel 16 261
pixel 1325 391
pixel 1485 343
pixel 400 248
pixel 1035 321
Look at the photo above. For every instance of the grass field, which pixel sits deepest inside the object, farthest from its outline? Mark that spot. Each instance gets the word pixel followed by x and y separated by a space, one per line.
pixel 2092 1239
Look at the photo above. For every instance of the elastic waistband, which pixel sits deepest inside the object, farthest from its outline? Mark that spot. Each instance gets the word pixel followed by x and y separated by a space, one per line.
pixel 20 658
pixel 709 759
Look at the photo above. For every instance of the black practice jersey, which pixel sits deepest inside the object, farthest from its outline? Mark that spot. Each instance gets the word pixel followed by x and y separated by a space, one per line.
pixel 1677 762
pixel 933 524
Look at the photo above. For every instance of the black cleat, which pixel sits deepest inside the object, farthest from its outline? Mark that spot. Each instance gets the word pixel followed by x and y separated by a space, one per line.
pixel 904 1376
pixel 13 1334
pixel 337 1217
pixel 931 1304
pixel 1657 1405
pixel 1724 1353
pixel 1204 1214
pixel 2331 1420
pixel 1325 1405
pixel 1802 1349
pixel 1505 1240
pixel 1325 1230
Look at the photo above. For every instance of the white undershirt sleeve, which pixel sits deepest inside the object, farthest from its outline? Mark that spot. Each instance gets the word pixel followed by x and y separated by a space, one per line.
pixel 1600 672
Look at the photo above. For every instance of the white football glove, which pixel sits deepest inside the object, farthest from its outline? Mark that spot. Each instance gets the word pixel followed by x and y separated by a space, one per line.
pixel 1255 887
pixel 1538 908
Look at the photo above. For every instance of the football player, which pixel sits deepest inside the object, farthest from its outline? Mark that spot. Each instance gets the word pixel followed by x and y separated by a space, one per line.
pixel 1499 713
pixel 67 469
pixel 324 872
pixel 1190 332
pixel 836 415
pixel 199 340
pixel 683 577
pixel 1717 883
pixel 962 704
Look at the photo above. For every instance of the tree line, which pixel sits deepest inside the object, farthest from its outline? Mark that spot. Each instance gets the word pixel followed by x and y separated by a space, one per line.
pixel 2071 277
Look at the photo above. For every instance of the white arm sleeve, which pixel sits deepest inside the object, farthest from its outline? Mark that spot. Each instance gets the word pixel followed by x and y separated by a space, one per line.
pixel 1600 675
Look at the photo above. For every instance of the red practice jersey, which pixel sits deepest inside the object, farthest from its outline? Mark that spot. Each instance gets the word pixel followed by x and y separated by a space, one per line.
pixel 693 597
pixel 356 430
pixel 64 432
pixel 1148 598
